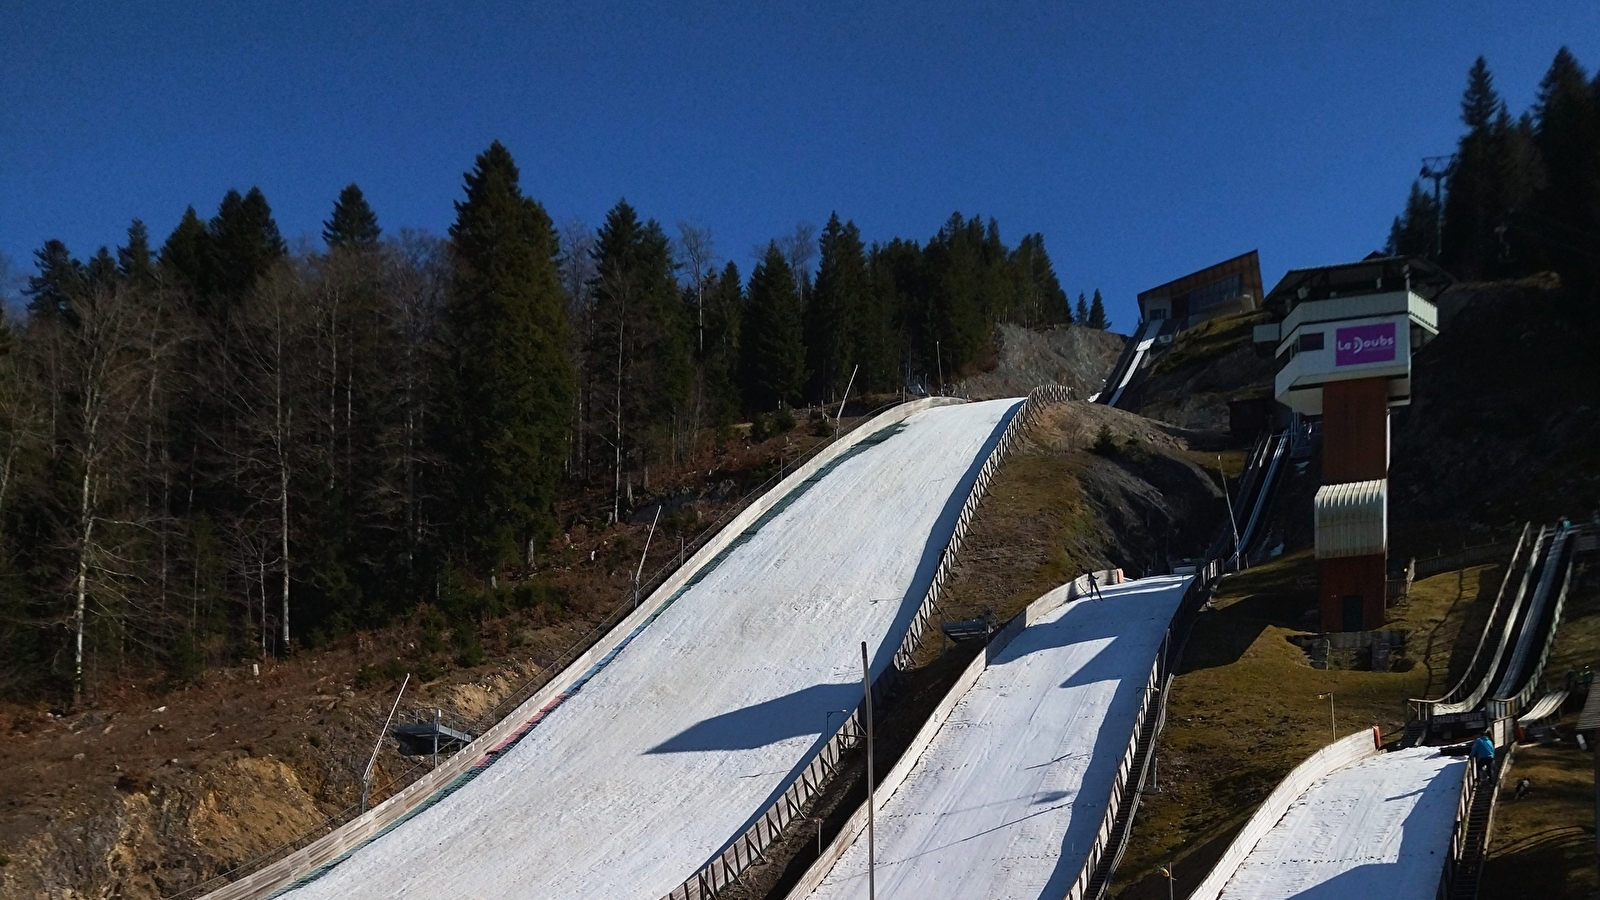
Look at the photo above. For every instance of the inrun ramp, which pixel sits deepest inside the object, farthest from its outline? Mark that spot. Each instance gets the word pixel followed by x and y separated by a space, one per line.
pixel 1380 827
pixel 678 740
pixel 1005 800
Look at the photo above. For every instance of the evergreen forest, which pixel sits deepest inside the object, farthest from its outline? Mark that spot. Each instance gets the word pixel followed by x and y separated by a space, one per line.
pixel 224 447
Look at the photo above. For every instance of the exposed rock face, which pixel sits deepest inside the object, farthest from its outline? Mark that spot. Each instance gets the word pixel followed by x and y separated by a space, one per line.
pixel 161 837
pixel 1078 358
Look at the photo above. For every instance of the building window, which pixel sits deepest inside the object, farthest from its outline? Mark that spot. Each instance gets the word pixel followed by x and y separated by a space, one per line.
pixel 1311 340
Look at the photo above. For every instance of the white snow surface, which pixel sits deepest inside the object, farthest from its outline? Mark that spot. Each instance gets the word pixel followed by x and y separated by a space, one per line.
pixel 673 748
pixel 1378 828
pixel 1006 799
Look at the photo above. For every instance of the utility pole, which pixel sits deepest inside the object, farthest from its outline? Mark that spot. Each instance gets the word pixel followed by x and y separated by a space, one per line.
pixel 872 857
pixel 1438 168
pixel 1333 726
pixel 838 420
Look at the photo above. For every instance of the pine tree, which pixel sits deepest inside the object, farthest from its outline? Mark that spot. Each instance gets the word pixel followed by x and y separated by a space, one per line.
pixel 1479 199
pixel 245 243
pixel 1566 133
pixel 1039 298
pixel 1097 312
pixel 185 258
pixel 353 223
pixel 135 261
pixel 641 343
pixel 902 316
pixel 834 317
pixel 771 340
pixel 955 261
pixel 1082 315
pixel 1415 231
pixel 508 385
pixel 61 278
pixel 724 305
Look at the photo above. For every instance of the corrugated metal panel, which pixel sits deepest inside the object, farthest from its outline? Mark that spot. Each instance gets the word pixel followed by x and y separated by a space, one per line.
pixel 1352 519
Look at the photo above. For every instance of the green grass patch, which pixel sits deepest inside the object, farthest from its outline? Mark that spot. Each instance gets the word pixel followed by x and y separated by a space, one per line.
pixel 1210 340
pixel 1246 707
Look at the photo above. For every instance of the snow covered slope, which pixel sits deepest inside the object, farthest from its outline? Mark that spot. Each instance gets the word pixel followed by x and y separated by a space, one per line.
pixel 1378 828
pixel 1006 799
pixel 672 747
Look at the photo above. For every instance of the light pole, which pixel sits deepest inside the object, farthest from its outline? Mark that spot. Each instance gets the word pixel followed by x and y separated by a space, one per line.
pixel 637 573
pixel 1166 872
pixel 1333 726
pixel 872 859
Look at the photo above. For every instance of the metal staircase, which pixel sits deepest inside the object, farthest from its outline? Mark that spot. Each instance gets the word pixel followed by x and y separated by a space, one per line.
pixel 1464 875
pixel 1123 824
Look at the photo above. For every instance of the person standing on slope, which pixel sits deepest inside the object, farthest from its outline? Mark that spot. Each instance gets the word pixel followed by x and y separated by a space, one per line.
pixel 1482 752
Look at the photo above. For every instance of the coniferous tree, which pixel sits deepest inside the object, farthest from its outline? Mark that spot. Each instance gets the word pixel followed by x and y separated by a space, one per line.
pixel 1097 313
pixel 641 343
pixel 835 318
pixel 1081 317
pixel 774 356
pixel 507 383
pixel 185 257
pixel 955 260
pixel 353 223
pixel 1039 297
pixel 904 304
pixel 61 278
pixel 135 261
pixel 1415 231
pixel 1478 202
pixel 245 243
pixel 1566 134
pixel 724 306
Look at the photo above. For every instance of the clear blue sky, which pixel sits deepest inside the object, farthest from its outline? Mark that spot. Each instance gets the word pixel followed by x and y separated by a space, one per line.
pixel 1143 140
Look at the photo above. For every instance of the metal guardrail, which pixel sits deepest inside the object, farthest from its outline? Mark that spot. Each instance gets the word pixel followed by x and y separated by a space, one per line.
pixel 1458 832
pixel 769 827
pixel 1428 566
pixel 1110 840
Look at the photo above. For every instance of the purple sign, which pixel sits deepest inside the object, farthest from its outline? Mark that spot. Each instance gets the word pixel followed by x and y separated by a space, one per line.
pixel 1363 344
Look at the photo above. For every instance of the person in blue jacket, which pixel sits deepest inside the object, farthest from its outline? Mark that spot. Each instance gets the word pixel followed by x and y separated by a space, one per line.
pixel 1482 752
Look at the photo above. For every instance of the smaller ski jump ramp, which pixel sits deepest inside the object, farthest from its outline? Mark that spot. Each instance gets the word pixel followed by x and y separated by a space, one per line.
pixel 1380 826
pixel 1003 792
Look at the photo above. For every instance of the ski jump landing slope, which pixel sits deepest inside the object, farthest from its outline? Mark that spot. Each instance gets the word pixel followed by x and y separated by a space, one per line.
pixel 1380 827
pixel 656 761
pixel 1004 801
